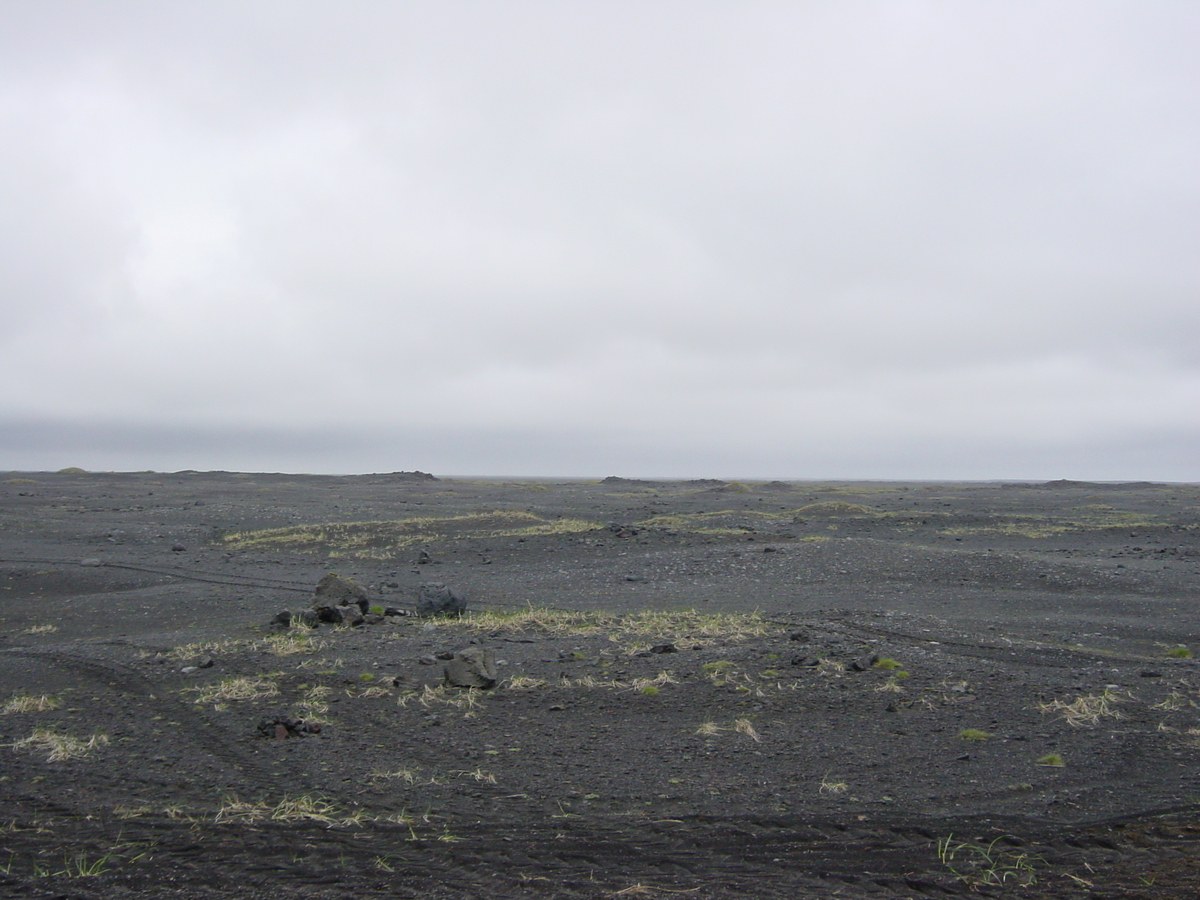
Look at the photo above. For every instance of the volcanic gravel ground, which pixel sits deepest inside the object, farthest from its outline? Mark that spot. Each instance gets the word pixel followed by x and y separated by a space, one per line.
pixel 707 689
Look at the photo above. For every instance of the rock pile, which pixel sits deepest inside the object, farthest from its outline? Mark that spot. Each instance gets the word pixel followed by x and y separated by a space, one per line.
pixel 338 600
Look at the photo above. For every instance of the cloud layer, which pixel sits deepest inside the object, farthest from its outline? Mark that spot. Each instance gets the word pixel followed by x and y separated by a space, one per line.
pixel 908 239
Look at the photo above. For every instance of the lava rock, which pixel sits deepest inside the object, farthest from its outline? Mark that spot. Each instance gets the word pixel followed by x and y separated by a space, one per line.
pixel 863 663
pixel 352 614
pixel 435 599
pixel 338 590
pixel 474 667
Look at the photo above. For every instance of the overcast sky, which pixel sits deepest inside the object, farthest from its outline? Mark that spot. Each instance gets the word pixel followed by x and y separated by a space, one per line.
pixel 729 239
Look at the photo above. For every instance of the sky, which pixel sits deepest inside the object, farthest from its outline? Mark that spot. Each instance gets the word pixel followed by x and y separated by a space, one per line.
pixel 860 240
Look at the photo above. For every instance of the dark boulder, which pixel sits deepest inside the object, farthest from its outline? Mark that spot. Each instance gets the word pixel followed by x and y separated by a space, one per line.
pixel 435 599
pixel 474 667
pixel 338 590
pixel 352 614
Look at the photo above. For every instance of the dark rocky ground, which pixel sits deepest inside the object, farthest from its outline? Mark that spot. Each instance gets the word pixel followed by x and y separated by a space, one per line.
pixel 687 702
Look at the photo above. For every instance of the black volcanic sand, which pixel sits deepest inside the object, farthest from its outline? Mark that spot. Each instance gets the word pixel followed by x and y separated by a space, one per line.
pixel 687 704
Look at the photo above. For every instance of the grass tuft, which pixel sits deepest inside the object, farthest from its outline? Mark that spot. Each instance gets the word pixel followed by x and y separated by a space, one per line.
pixel 60 746
pixel 1087 710
pixel 304 808
pixel 26 703
pixel 237 687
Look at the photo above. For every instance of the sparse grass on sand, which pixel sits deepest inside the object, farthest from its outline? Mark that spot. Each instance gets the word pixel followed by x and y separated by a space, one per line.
pixel 237 687
pixel 685 626
pixel 305 808
pixel 385 538
pixel 833 786
pixel 1086 710
pixel 60 746
pixel 26 703
pixel 187 652
pixel 292 642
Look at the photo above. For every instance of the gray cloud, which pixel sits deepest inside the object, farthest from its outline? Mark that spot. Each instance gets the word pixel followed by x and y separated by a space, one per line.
pixel 873 239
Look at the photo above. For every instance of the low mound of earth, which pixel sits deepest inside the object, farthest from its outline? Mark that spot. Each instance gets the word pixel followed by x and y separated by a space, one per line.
pixel 784 690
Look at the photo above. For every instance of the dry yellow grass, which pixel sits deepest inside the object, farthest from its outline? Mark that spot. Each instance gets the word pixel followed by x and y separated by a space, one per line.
pixel 60 746
pixel 1087 710
pixel 305 808
pixel 26 703
pixel 237 687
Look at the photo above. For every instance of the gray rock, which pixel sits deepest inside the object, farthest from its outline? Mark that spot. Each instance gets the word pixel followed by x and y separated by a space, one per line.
pixel 863 663
pixel 351 614
pixel 338 590
pixel 435 599
pixel 90 562
pixel 474 667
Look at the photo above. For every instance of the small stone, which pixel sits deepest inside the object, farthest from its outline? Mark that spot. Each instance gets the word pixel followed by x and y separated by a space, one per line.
pixel 863 663
pixel 178 547
pixel 206 662
pixel 90 563
pixel 189 670
pixel 664 648
pixel 427 660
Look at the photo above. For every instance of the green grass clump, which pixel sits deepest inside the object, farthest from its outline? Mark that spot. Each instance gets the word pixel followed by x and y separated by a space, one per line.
pixel 973 734
pixel 1051 759
pixel 1179 652
pixel 886 662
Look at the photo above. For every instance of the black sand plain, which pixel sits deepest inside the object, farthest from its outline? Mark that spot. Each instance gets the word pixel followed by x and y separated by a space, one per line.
pixel 708 689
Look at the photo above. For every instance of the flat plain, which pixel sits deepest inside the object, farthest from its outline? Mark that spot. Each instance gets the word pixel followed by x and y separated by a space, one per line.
pixel 707 689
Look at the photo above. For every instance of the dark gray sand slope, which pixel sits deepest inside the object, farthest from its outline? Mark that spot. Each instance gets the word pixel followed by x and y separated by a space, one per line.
pixel 706 689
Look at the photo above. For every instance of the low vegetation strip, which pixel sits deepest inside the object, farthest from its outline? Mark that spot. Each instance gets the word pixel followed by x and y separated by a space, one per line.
pixel 380 539
pixel 681 625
